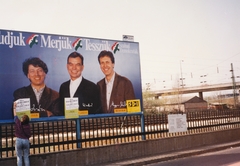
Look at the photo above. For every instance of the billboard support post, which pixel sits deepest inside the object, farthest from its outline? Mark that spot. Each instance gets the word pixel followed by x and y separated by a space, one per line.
pixel 78 132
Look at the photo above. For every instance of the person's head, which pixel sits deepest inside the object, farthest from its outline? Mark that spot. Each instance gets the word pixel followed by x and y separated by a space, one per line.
pixel 75 65
pixel 24 119
pixel 107 62
pixel 35 70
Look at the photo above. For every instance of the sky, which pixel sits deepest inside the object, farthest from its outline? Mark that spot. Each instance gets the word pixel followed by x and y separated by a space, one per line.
pixel 197 40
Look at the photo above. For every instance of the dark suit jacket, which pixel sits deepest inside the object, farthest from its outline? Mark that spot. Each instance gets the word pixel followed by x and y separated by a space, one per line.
pixel 48 101
pixel 122 90
pixel 87 94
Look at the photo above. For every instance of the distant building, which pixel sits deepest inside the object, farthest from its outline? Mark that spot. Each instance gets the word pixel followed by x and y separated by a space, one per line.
pixel 195 104
pixel 219 106
pixel 192 104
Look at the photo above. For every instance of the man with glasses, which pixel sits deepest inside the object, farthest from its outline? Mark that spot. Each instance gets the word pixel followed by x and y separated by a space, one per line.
pixel 43 100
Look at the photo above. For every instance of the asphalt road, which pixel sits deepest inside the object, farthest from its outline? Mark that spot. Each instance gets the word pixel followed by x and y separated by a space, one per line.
pixel 227 157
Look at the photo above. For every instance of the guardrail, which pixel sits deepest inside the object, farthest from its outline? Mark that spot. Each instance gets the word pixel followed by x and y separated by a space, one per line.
pixel 57 133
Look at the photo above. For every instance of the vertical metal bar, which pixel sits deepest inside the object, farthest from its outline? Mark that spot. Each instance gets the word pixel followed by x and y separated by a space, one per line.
pixel 33 136
pixel 96 131
pixel 53 135
pixel 58 139
pixel 93 123
pixel 101 129
pixel 12 136
pixel 67 131
pixel 143 127
pixel 48 135
pixel 89 132
pixel 125 130
pixel 1 156
pixel 78 133
pixel 63 130
pixel 44 140
pixel 72 135
pixel 6 140
pixel 109 131
pixel 85 127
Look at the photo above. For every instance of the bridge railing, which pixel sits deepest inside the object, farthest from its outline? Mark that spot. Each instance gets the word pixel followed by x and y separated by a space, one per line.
pixel 57 134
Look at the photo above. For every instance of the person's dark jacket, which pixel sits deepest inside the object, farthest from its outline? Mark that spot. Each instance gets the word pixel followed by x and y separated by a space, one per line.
pixel 87 94
pixel 122 90
pixel 48 101
pixel 22 131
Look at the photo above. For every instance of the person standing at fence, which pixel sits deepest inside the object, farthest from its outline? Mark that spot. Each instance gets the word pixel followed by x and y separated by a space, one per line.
pixel 78 87
pixel 114 88
pixel 23 133
pixel 43 100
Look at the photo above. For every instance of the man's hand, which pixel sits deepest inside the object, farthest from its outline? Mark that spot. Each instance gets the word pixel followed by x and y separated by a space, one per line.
pixel 14 108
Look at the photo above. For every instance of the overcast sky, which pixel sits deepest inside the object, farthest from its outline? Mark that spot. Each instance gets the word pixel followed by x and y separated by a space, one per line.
pixel 190 37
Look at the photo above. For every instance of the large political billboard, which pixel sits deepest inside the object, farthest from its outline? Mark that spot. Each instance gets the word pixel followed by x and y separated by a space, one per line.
pixel 107 76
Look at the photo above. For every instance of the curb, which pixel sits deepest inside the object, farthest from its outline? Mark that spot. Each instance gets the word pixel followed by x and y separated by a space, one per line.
pixel 174 155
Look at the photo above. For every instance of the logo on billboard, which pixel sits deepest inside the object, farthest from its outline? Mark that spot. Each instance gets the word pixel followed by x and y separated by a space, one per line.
pixel 115 47
pixel 77 43
pixel 128 38
pixel 32 40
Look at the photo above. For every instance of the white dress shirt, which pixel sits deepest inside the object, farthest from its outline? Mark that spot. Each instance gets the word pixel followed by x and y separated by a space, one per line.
pixel 74 85
pixel 109 86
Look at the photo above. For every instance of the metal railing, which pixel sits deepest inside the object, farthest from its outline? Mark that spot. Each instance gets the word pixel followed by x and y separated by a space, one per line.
pixel 57 133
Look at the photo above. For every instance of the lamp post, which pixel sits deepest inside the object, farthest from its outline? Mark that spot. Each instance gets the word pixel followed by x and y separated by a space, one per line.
pixel 237 98
pixel 181 73
pixel 234 86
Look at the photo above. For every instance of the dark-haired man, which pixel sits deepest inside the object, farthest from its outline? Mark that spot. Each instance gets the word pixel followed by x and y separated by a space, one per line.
pixel 114 88
pixel 78 87
pixel 43 100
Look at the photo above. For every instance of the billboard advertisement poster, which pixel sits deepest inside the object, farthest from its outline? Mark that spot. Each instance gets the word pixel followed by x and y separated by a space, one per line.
pixel 40 66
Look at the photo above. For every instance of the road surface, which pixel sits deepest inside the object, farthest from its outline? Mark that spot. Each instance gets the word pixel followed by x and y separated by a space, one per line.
pixel 227 157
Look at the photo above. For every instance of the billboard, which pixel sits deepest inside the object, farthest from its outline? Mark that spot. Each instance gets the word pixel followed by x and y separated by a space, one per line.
pixel 53 50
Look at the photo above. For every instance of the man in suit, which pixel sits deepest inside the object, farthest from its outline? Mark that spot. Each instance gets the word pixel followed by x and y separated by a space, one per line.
pixel 114 88
pixel 43 100
pixel 86 91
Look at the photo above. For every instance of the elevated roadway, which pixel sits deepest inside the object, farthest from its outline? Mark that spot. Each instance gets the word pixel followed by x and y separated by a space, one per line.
pixel 197 89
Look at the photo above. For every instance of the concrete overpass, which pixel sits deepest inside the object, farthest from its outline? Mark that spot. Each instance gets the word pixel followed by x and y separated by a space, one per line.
pixel 197 89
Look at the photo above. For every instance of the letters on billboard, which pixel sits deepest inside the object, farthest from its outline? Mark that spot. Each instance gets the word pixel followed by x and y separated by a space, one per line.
pixel 48 70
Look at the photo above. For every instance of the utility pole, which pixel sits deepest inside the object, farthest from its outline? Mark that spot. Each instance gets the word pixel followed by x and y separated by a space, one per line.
pixel 234 86
pixel 182 86
pixel 181 74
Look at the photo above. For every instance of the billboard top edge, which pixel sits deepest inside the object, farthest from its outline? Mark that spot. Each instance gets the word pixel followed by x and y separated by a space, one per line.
pixel 65 35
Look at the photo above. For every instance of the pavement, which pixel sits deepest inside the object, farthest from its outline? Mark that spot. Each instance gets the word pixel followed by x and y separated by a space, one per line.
pixel 174 155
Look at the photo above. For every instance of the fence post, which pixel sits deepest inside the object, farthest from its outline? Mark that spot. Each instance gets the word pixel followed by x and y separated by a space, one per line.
pixel 78 132
pixel 143 127
pixel 0 141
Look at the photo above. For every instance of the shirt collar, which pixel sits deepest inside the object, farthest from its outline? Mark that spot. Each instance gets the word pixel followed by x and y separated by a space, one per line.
pixel 76 81
pixel 111 80
pixel 38 91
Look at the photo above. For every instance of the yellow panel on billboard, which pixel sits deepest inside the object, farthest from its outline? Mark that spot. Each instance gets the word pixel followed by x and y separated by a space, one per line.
pixel 120 110
pixel 82 112
pixel 133 106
